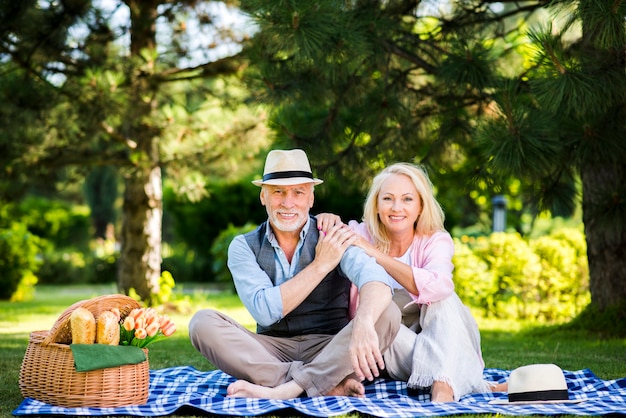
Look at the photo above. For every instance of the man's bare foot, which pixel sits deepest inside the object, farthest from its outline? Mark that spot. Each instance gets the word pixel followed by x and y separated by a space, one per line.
pixel 245 389
pixel 441 392
pixel 348 387
pixel 500 387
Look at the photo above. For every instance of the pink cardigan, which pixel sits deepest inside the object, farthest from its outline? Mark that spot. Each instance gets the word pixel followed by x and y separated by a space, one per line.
pixel 432 266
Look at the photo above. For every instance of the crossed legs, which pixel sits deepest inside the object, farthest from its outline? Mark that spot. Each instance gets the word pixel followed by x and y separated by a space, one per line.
pixel 329 373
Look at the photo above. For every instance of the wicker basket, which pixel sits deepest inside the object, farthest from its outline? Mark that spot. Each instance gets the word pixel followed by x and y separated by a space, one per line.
pixel 48 373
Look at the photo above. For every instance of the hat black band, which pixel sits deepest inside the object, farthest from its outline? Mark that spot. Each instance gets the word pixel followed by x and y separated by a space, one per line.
pixel 542 395
pixel 286 175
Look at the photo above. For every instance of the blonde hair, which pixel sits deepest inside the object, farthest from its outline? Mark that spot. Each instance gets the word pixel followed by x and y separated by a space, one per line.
pixel 428 222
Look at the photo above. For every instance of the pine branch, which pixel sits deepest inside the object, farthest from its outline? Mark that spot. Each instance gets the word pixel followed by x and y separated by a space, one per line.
pixel 224 66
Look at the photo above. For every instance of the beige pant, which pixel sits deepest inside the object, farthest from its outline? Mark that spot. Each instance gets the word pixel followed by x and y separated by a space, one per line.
pixel 317 363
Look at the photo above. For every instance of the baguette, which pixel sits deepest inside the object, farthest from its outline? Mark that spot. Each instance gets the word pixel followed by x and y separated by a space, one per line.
pixel 108 329
pixel 82 326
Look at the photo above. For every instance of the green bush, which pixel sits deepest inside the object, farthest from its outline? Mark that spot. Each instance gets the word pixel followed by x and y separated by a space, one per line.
pixel 472 277
pixel 61 223
pixel 101 269
pixel 186 265
pixel 219 251
pixel 544 278
pixel 62 267
pixel 68 266
pixel 18 259
pixel 197 224
pixel 562 291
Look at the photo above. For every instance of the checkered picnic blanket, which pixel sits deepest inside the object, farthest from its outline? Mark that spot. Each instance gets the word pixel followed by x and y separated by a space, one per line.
pixel 185 387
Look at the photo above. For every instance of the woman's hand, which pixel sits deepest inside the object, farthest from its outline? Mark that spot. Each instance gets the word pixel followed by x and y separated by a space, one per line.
pixel 366 246
pixel 325 221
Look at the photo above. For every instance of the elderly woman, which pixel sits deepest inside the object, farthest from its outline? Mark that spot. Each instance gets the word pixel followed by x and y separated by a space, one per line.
pixel 438 345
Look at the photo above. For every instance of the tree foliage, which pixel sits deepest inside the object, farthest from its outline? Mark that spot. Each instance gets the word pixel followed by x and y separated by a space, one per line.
pixel 360 84
pixel 505 97
pixel 90 86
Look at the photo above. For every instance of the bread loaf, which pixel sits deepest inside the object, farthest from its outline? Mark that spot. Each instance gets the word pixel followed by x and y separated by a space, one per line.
pixel 82 326
pixel 108 329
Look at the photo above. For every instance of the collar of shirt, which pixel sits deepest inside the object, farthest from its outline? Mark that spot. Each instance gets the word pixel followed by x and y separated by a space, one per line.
pixel 284 269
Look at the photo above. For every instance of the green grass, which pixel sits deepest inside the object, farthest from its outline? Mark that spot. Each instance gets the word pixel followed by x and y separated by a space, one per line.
pixel 505 344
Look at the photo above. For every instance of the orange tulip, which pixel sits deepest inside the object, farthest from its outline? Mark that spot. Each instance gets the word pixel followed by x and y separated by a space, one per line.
pixel 164 321
pixel 141 333
pixel 169 329
pixel 152 329
pixel 135 313
pixel 129 323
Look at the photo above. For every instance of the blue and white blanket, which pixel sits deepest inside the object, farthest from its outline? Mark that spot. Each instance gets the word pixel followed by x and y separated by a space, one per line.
pixel 205 392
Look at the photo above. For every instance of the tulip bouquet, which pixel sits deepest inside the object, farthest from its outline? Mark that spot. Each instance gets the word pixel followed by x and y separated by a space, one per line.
pixel 144 326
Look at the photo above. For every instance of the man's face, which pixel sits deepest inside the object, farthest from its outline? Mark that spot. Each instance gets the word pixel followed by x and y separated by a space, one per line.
pixel 287 206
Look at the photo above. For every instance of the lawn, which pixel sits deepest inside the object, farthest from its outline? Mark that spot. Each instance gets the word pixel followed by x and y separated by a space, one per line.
pixel 505 344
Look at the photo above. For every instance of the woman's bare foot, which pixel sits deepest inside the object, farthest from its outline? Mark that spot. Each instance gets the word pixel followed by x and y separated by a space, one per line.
pixel 441 392
pixel 500 387
pixel 348 387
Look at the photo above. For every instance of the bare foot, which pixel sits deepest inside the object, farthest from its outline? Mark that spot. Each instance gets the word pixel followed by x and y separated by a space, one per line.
pixel 441 392
pixel 348 387
pixel 245 389
pixel 500 387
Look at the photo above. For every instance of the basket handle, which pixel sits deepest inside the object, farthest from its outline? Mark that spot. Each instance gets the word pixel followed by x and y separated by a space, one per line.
pixel 61 331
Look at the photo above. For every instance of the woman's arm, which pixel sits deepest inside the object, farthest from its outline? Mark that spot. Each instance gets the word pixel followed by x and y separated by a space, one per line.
pixel 401 272
pixel 429 277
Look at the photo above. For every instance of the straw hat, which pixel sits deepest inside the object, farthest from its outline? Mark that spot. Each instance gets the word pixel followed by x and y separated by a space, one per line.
pixel 286 168
pixel 537 383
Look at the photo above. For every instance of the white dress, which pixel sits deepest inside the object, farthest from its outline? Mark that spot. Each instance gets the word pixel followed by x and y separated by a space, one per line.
pixel 439 341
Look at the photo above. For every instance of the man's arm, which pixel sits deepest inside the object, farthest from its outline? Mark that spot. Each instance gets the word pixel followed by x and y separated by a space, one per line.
pixel 328 253
pixel 255 288
pixel 367 360
pixel 268 303
pixel 375 294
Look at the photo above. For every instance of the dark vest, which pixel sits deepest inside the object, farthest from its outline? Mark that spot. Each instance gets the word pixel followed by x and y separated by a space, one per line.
pixel 325 310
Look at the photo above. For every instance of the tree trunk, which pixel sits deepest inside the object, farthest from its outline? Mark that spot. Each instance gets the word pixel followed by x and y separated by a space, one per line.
pixel 606 237
pixel 603 179
pixel 139 265
pixel 140 257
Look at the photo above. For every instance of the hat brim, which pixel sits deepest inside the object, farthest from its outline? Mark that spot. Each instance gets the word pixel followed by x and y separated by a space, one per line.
pixel 288 181
pixel 507 402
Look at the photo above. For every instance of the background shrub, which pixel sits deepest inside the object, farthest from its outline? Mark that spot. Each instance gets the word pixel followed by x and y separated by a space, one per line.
pixel 544 278
pixel 61 223
pixel 219 252
pixel 188 265
pixel 18 259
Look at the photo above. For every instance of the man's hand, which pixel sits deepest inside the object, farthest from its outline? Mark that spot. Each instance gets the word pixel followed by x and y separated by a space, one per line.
pixel 367 360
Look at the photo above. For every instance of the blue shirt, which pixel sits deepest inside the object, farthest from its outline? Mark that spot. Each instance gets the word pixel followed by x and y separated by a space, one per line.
pixel 262 297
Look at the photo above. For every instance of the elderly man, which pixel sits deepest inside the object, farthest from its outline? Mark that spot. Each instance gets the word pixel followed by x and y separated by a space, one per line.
pixel 295 281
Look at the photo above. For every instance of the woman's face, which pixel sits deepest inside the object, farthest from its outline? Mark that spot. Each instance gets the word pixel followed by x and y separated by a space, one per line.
pixel 399 204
